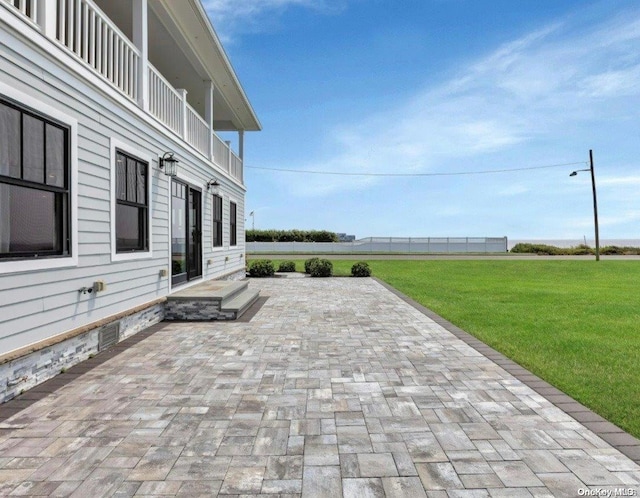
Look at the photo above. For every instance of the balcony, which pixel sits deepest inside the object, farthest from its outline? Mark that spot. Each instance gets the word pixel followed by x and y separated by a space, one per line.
pixel 119 39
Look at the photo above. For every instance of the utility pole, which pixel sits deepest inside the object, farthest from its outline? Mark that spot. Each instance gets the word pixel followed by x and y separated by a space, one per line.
pixel 595 201
pixel 595 205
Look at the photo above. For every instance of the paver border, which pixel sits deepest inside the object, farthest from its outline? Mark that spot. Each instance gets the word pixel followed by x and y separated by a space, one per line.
pixel 624 442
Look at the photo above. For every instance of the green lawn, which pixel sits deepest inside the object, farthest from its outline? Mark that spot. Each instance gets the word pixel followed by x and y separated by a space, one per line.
pixel 576 324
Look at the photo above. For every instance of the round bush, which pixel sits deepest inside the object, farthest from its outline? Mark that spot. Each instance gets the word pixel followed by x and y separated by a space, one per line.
pixel 261 268
pixel 309 263
pixel 322 268
pixel 360 269
pixel 287 266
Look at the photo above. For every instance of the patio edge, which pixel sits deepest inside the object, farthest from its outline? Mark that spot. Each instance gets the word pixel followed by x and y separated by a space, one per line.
pixel 624 442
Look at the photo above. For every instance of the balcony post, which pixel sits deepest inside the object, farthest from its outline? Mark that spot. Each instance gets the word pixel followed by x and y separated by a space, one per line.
pixel 47 18
pixel 208 113
pixel 183 111
pixel 241 144
pixel 141 41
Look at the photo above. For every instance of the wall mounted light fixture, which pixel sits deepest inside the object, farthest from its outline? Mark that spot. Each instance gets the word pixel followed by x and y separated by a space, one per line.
pixel 213 186
pixel 169 164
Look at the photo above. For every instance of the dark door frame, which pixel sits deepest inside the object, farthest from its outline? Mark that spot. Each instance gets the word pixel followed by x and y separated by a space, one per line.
pixel 193 234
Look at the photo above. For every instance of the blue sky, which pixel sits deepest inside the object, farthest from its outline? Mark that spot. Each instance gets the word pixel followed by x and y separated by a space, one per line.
pixel 440 86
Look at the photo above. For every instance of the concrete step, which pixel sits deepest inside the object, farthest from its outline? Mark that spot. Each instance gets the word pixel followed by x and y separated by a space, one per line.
pixel 212 290
pixel 210 300
pixel 240 303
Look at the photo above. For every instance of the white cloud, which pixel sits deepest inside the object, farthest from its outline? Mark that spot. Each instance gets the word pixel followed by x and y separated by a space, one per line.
pixel 514 190
pixel 541 87
pixel 618 181
pixel 232 16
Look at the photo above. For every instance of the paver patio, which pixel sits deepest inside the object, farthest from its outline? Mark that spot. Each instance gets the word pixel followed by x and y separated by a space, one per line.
pixel 336 387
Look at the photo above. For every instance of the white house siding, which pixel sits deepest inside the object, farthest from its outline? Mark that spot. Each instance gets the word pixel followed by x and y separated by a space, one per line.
pixel 37 305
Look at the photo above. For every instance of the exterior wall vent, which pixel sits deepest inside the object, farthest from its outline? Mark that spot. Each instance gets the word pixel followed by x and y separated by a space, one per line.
pixel 108 336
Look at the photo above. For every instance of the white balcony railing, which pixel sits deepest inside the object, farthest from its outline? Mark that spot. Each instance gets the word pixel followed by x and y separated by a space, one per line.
pixel 28 8
pixel 165 103
pixel 85 30
pixel 81 27
pixel 235 166
pixel 197 130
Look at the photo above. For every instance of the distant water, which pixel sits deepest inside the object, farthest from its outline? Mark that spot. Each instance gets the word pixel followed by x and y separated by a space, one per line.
pixel 576 242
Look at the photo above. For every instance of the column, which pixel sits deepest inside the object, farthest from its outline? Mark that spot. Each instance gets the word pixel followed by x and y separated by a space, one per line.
pixel 183 123
pixel 141 41
pixel 47 18
pixel 209 88
pixel 241 144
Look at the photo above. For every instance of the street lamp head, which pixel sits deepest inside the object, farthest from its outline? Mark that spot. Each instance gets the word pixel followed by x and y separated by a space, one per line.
pixel 574 173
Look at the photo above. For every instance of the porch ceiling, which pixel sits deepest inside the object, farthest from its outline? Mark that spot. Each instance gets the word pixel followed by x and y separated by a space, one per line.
pixel 184 47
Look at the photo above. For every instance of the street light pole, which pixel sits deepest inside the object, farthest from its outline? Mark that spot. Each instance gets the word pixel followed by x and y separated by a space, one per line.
pixel 595 205
pixel 595 201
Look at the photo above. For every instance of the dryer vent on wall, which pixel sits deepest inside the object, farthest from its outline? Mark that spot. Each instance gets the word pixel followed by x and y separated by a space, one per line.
pixel 109 335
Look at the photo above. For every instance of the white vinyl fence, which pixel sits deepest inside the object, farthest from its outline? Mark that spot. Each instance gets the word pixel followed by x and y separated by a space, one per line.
pixel 403 245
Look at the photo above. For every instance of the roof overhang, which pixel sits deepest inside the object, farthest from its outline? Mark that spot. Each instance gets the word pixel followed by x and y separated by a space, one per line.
pixel 188 24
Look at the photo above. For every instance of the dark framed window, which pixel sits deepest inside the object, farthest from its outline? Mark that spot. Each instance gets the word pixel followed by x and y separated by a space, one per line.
pixel 34 184
pixel 233 225
pixel 216 216
pixel 132 204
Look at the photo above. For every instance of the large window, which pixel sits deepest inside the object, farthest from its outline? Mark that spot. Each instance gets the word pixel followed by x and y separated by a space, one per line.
pixel 217 221
pixel 233 226
pixel 34 185
pixel 132 231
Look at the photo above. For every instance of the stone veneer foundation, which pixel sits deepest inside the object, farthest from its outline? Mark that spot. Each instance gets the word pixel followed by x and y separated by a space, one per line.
pixel 28 367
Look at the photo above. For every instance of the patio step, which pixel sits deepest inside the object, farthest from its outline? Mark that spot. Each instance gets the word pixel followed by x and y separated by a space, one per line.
pixel 240 303
pixel 211 300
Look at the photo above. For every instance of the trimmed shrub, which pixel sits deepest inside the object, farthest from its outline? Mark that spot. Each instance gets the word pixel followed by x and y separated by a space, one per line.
pixel 322 268
pixel 360 269
pixel 309 263
pixel 261 268
pixel 287 266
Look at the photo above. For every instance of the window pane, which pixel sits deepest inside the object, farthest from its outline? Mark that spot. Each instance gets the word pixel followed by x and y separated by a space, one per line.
pixel 55 155
pixel 142 183
pixel 32 225
pixel 33 141
pixel 9 141
pixel 132 173
pixel 217 208
pixel 128 229
pixel 121 177
pixel 232 224
pixel 217 234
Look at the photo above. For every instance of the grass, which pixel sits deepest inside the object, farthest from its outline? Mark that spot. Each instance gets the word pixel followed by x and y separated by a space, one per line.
pixel 575 324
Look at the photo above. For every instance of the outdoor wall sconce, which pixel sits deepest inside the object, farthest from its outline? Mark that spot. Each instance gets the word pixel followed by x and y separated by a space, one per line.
pixel 213 186
pixel 169 164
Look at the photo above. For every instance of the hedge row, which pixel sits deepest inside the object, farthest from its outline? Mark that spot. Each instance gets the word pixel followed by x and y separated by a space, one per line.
pixel 315 267
pixel 291 236
pixel 572 251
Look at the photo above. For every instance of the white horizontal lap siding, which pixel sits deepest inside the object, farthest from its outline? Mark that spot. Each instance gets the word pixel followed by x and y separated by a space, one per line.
pixel 36 305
